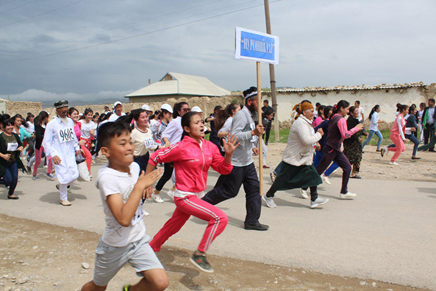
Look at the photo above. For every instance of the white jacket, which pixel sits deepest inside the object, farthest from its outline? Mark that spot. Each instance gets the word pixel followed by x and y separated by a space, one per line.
pixel 301 141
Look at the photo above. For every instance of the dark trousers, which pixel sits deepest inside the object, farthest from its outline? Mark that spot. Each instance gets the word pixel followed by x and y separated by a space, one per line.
pixel 11 177
pixel 142 161
pixel 168 172
pixel 428 130
pixel 329 155
pixel 267 132
pixel 228 187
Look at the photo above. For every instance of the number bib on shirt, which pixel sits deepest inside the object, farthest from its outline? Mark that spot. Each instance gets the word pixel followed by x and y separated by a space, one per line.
pixel 66 135
pixel 12 147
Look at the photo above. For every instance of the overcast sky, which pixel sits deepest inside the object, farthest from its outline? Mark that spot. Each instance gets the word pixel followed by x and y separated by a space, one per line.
pixel 51 49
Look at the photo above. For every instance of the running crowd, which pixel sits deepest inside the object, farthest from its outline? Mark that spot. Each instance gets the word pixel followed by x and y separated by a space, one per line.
pixel 321 139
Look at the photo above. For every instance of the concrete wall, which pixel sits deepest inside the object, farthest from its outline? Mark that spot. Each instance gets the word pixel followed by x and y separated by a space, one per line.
pixel 22 107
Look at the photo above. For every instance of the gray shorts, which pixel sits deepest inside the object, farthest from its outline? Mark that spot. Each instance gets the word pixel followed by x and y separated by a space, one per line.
pixel 109 260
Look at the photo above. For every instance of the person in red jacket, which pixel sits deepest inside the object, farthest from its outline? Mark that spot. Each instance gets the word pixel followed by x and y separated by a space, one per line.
pixel 192 157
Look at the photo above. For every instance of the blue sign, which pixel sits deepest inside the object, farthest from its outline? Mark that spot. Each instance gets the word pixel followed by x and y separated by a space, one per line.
pixel 256 46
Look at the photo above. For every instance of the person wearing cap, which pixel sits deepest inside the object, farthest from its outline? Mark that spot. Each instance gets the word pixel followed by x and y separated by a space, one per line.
pixel 118 111
pixel 61 144
pixel 198 110
pixel 244 171
pixel 147 109
pixel 106 110
pixel 164 119
pixel 213 137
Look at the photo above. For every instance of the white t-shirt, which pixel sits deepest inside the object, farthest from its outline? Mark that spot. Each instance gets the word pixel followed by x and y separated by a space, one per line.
pixel 360 117
pixel 374 122
pixel 109 182
pixel 114 117
pixel 30 127
pixel 86 128
pixel 227 125
pixel 153 122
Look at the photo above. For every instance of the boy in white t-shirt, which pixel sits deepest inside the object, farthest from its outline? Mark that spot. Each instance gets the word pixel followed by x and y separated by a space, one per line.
pixel 360 117
pixel 124 239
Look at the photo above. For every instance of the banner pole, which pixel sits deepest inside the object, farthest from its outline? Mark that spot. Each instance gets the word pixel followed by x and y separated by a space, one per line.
pixel 259 118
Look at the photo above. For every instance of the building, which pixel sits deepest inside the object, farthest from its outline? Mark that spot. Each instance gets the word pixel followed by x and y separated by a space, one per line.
pixel 176 85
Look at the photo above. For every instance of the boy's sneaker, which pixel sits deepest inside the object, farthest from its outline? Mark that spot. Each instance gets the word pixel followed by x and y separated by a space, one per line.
pixel 126 287
pixel 157 198
pixel 171 194
pixel 35 178
pixel 201 263
pixel 269 201
pixel 325 179
pixel 393 163
pixel 304 194
pixel 349 195
pixel 318 202
pixel 51 176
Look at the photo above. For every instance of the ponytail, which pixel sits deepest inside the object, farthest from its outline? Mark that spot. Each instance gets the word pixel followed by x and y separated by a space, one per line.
pixel 341 104
pixel 374 109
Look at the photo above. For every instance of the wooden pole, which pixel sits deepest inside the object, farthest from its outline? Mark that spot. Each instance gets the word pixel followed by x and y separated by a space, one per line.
pixel 259 118
pixel 272 77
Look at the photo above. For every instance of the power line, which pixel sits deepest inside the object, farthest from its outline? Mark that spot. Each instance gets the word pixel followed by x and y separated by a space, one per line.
pixel 59 8
pixel 3 12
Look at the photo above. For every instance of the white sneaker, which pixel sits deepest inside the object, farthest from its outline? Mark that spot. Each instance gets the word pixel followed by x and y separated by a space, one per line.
pixel 304 193
pixel 393 163
pixel 146 213
pixel 349 195
pixel 171 194
pixel 157 198
pixel 326 179
pixel 269 201
pixel 318 202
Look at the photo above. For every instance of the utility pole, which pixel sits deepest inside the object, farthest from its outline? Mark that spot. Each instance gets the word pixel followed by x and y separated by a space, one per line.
pixel 272 77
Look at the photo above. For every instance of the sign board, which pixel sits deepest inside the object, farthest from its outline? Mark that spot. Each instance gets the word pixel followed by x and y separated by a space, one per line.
pixel 256 46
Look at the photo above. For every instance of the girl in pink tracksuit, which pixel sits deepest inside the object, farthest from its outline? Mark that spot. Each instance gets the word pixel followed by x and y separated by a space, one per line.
pixel 192 157
pixel 397 134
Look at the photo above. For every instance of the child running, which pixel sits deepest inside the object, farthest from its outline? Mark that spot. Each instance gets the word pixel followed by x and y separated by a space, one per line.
pixel 397 134
pixel 122 192
pixel 192 157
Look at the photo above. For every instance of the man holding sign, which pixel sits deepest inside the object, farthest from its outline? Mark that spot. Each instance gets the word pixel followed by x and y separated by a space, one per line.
pixel 244 171
pixel 61 144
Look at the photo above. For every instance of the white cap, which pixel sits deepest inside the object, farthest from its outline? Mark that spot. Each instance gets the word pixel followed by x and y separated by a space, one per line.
pixel 196 109
pixel 117 103
pixel 167 107
pixel 146 107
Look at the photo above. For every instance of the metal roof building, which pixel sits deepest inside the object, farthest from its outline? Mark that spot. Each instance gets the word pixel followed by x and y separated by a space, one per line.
pixel 176 85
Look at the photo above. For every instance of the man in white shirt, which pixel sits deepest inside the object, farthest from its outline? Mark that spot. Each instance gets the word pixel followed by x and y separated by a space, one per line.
pixel 118 111
pixel 360 117
pixel 61 144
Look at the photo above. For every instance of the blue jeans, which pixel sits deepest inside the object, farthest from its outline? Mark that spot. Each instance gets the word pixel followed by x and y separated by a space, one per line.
pixel 370 135
pixel 11 177
pixel 412 138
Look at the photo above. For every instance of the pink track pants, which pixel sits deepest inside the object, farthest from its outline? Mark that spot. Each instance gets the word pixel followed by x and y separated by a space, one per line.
pixel 38 161
pixel 399 146
pixel 185 207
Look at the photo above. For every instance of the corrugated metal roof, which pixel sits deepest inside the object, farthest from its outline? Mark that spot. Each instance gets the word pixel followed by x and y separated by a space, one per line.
pixel 181 84
pixel 352 88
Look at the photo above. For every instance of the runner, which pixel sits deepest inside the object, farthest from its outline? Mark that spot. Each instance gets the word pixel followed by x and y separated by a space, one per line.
pixel 118 111
pixel 192 158
pixel 244 171
pixel 122 191
pixel 87 128
pixel 164 119
pixel 61 144
pixel 40 126
pixel 397 135
pixel 297 170
pixel 353 145
pixel 171 136
pixel 332 151
pixel 411 129
pixel 320 118
pixel 73 113
pixel 373 127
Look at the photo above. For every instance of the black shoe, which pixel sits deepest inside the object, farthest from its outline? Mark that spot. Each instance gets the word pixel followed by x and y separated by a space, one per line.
pixel 256 226
pixel 266 143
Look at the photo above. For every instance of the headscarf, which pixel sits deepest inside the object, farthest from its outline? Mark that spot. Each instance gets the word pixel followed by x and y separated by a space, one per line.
pixel 301 107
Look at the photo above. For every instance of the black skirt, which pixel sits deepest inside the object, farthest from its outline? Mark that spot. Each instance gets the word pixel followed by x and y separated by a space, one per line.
pixel 292 177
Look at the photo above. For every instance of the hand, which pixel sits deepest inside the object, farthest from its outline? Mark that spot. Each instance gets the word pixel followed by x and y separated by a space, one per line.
pixel 320 131
pixel 413 129
pixel 146 181
pixel 405 140
pixel 317 147
pixel 7 157
pixel 230 146
pixel 56 160
pixel 167 144
pixel 359 126
pixel 360 139
pixel 20 149
pixel 147 193
pixel 82 142
pixel 255 151
pixel 258 130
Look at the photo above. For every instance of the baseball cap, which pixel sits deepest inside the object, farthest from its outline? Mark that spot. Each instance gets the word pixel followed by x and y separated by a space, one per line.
pixel 117 103
pixel 196 109
pixel 167 107
pixel 146 107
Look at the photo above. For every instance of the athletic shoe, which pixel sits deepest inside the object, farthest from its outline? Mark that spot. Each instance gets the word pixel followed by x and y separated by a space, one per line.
pixel 382 152
pixel 201 263
pixel 45 167
pixel 393 163
pixel 29 170
pixel 35 178
pixel 318 201
pixel 304 194
pixel 349 195
pixel 171 194
pixel 325 179
pixel 269 201
pixel 273 177
pixel 51 176
pixel 379 150
pixel 256 226
pixel 126 287
pixel 157 198
pixel 146 213
pixel 356 177
pixel 416 158
pixel 65 203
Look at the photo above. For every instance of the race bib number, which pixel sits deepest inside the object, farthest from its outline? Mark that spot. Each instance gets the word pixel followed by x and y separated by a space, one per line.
pixel 149 142
pixel 66 135
pixel 12 147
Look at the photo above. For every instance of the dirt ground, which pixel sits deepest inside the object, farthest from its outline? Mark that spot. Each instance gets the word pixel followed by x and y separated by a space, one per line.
pixel 38 256
pixel 373 166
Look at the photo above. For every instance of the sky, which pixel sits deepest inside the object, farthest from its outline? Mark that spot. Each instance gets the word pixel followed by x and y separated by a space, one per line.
pixel 95 50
